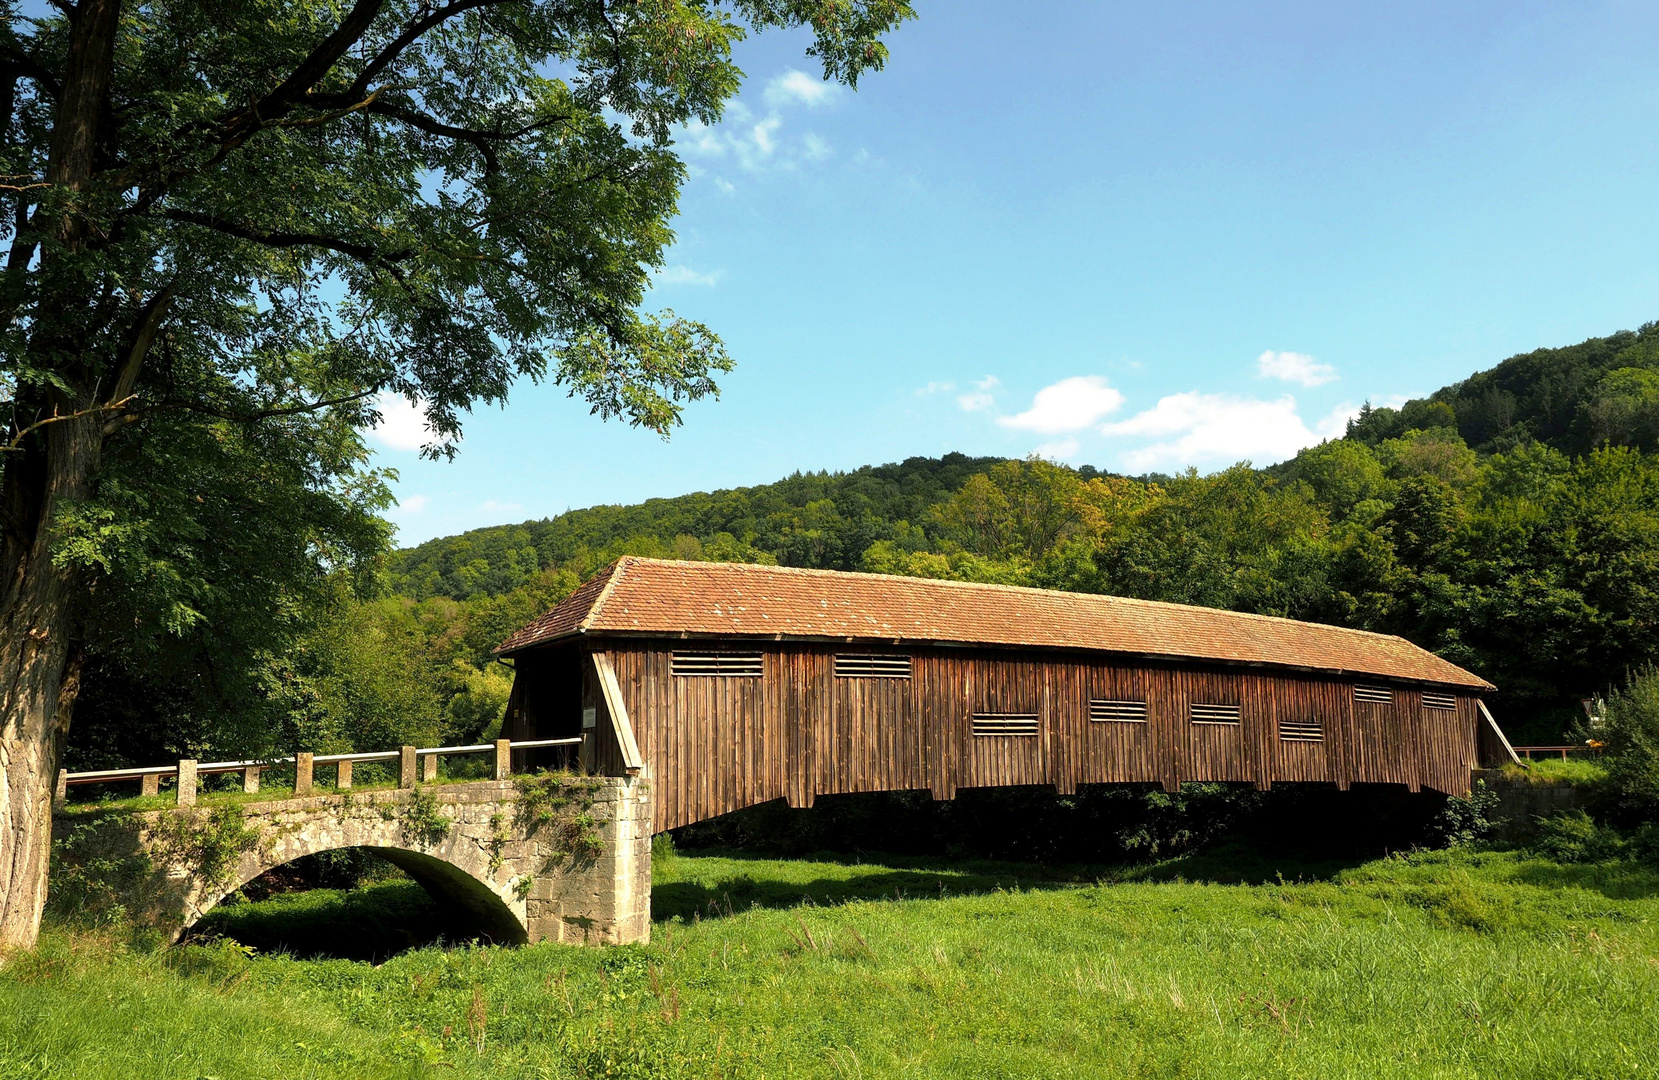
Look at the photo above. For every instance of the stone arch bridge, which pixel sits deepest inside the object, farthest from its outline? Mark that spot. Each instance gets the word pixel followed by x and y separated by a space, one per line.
pixel 492 851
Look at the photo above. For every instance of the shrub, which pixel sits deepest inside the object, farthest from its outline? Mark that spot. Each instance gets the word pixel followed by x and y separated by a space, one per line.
pixel 1631 733
pixel 1466 820
pixel 1574 837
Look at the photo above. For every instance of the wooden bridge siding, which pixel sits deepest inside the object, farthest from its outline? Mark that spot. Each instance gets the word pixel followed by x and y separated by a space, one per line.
pixel 719 744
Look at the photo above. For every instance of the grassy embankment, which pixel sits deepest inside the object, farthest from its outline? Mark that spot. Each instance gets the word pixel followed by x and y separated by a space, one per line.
pixel 1449 964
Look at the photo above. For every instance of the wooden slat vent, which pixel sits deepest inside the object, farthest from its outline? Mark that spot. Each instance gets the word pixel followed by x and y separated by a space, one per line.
pixel 1211 713
pixel 1308 730
pixel 1103 711
pixel 871 666
pixel 1375 695
pixel 729 664
pixel 1443 702
pixel 997 723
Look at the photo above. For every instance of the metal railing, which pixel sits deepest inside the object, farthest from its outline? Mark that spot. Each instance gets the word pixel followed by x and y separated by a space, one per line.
pixel 411 761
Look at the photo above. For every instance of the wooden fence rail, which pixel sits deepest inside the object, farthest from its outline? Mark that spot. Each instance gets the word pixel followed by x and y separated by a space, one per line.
pixel 411 760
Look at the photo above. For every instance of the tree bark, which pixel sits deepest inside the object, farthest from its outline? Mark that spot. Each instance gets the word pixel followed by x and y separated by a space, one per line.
pixel 39 676
pixel 39 600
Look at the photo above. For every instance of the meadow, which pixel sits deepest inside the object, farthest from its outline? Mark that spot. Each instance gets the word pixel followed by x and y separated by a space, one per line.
pixel 1429 964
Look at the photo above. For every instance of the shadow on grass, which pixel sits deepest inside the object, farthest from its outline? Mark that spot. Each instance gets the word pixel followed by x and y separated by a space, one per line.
pixel 879 877
pixel 887 877
pixel 369 923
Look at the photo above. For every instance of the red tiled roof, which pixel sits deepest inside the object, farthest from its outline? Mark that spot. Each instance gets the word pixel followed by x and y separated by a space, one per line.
pixel 657 597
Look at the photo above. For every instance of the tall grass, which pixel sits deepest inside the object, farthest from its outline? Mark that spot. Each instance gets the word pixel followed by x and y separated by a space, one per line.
pixel 1451 964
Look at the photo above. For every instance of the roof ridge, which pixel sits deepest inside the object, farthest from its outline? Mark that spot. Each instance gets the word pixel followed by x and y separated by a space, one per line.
pixel 810 571
pixel 612 573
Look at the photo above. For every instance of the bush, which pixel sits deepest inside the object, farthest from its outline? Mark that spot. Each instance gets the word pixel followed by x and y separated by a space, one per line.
pixel 1466 820
pixel 1574 837
pixel 1631 734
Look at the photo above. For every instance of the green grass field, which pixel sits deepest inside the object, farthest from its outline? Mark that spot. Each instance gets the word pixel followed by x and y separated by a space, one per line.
pixel 1442 964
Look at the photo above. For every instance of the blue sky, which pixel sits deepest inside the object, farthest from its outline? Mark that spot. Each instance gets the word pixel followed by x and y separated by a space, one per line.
pixel 1137 236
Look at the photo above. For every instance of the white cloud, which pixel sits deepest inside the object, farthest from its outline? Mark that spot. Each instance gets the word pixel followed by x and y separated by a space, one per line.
pixel 1335 423
pixel 1211 430
pixel 798 87
pixel 816 149
pixel 983 398
pixel 1294 367
pixel 682 275
pixel 762 134
pixel 1059 450
pixel 402 422
pixel 935 388
pixel 413 504
pixel 1068 405
pixel 724 185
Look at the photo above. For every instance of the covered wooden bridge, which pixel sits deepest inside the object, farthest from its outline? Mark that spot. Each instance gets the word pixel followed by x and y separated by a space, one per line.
pixel 732 685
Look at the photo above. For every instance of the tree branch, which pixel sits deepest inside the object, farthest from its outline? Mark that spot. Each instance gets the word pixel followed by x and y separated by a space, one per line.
pixel 21 62
pixel 387 260
pixel 16 442
pixel 262 414
pixel 310 70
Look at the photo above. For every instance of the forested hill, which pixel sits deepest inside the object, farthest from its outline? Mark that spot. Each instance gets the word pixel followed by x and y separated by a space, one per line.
pixel 808 519
pixel 1604 390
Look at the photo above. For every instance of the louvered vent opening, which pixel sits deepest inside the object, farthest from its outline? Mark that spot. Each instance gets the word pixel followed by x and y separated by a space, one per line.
pixel 871 666
pixel 1376 695
pixel 1443 702
pixel 1117 712
pixel 1002 723
pixel 1203 713
pixel 1301 731
pixel 732 665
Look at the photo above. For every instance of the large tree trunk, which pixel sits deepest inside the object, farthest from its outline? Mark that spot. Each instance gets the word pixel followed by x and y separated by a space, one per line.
pixel 39 666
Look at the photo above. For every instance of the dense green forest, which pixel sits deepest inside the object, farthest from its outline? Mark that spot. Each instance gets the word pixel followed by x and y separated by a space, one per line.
pixel 1509 522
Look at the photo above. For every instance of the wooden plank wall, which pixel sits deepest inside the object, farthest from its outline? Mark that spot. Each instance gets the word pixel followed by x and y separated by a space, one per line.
pixel 716 744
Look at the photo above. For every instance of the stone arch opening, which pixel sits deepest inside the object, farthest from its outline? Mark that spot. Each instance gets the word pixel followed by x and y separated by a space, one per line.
pixel 365 922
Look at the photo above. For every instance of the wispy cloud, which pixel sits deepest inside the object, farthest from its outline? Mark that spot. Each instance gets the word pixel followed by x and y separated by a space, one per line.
pixel 935 388
pixel 1216 429
pixel 1294 367
pixel 413 504
pixel 682 275
pixel 1068 405
pixel 982 397
pixel 794 87
pixel 402 423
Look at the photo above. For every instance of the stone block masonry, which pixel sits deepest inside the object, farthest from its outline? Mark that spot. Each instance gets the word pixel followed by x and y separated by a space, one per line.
pixel 470 845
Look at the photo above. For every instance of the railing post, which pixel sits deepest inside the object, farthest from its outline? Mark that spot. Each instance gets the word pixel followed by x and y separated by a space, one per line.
pixel 429 768
pixel 406 766
pixel 60 793
pixel 250 779
pixel 503 758
pixel 187 782
pixel 149 785
pixel 342 779
pixel 302 773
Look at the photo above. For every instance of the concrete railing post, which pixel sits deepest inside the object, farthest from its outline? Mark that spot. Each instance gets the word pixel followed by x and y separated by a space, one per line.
pixel 250 779
pixel 302 773
pixel 342 779
pixel 503 758
pixel 149 785
pixel 60 792
pixel 187 782
pixel 429 768
pixel 406 766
